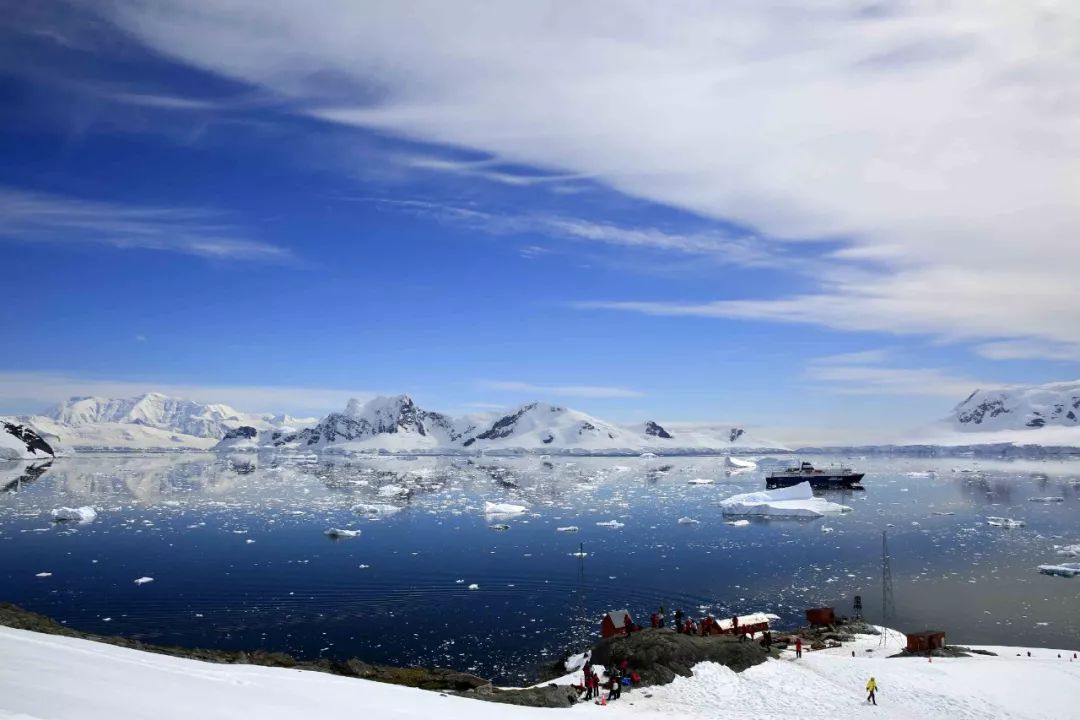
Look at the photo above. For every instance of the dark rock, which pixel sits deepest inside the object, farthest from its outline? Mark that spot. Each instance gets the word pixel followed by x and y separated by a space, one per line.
pixel 659 655
pixel 33 441
pixel 244 431
pixel 656 430
pixel 548 696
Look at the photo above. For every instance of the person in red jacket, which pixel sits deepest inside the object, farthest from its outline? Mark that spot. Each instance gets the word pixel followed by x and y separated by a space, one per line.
pixel 798 647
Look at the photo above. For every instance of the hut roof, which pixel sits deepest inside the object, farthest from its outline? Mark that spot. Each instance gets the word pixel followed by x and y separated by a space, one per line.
pixel 618 617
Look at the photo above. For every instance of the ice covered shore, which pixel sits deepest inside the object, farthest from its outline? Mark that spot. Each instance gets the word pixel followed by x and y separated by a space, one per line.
pixel 60 678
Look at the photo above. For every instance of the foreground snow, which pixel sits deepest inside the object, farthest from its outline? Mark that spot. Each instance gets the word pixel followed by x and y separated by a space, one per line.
pixel 56 678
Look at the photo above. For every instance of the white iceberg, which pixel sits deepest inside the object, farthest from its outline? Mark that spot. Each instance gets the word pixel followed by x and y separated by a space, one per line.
pixel 688 521
pixel 568 528
pixel 474 586
pixel 700 481
pixel 1064 569
pixel 143 580
pixel 797 501
pixel 611 524
pixel 735 462
pixel 83 514
pixel 491 508
pixel 1004 522
pixel 376 509
pixel 1069 550
pixel 338 533
pixel 737 523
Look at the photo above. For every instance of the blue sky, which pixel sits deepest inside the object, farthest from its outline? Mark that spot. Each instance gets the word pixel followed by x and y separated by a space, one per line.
pixel 698 217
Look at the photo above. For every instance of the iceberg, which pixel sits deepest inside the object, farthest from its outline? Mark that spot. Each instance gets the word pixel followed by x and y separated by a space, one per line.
pixel 568 528
pixel 1071 569
pixel 688 521
pixel 1069 550
pixel 611 524
pixel 491 508
pixel 83 514
pixel 338 533
pixel 797 501
pixel 1004 522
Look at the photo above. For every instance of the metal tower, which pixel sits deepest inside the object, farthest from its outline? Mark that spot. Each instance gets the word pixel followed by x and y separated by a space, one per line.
pixel 888 605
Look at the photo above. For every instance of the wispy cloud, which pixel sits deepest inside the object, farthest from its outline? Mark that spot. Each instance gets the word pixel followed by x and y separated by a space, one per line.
pixel 728 246
pixel 34 217
pixel 1029 350
pixel 863 373
pixel 937 140
pixel 34 391
pixel 580 391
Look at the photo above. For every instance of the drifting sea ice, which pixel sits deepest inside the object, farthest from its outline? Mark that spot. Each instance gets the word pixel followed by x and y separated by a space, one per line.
pixel 568 528
pixel 1069 550
pixel 1047 499
pixel 797 501
pixel 339 533
pixel 491 508
pixel 688 521
pixel 1063 570
pixel 376 509
pixel 737 523
pixel 143 580
pixel 83 514
pixel 700 481
pixel 1004 522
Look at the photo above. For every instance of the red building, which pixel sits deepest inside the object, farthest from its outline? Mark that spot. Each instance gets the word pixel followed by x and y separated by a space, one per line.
pixel 617 622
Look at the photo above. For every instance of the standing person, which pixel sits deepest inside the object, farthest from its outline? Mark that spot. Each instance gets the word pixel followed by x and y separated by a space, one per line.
pixel 871 689
pixel 654 620
pixel 798 647
pixel 678 621
pixel 661 616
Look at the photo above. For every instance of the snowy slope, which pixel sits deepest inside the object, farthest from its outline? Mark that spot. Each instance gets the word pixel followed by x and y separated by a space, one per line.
pixel 150 422
pixel 59 678
pixel 21 441
pixel 397 425
pixel 1029 407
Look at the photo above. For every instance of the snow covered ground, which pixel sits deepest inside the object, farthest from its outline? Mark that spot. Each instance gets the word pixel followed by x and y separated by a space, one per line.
pixel 56 678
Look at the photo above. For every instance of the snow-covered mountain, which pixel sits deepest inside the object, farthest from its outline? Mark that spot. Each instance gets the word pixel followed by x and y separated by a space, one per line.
pixel 397 424
pixel 1019 408
pixel 151 422
pixel 20 441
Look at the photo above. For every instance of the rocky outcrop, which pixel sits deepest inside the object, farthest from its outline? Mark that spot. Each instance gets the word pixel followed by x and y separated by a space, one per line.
pixel 660 655
pixel 654 429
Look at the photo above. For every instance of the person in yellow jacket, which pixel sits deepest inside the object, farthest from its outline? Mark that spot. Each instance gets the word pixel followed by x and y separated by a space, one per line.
pixel 871 689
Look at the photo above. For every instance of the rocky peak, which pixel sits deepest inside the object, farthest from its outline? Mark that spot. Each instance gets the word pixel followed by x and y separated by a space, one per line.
pixel 656 430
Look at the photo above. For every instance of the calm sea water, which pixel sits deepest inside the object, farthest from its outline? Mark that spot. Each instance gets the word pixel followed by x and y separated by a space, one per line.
pixel 237 550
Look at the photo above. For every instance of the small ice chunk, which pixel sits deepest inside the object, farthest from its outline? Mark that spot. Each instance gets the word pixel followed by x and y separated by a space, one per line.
pixel 1052 499
pixel 1004 522
pixel 737 523
pixel 1069 550
pixel 611 524
pixel 83 514
pixel 44 574
pixel 688 521
pixel 474 586
pixel 491 508
pixel 568 528
pixel 143 580
pixel 499 526
pixel 339 533
pixel 579 554
pixel 1064 569
pixel 700 481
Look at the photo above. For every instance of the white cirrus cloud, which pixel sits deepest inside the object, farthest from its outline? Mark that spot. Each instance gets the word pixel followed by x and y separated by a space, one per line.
pixel 580 391
pixel 35 217
pixel 936 141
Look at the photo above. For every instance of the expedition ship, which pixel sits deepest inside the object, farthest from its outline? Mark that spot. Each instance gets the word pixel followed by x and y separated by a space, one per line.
pixel 830 478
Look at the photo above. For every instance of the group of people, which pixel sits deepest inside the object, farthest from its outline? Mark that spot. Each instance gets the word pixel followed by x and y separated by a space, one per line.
pixel 615 679
pixel 688 626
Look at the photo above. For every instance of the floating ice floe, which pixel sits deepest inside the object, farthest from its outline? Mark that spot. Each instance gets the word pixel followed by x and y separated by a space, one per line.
pixel 943 512
pixel 610 524
pixel 474 586
pixel 143 580
pixel 1055 499
pixel 568 528
pixel 1063 570
pixel 491 508
pixel 647 455
pixel 739 463
pixel 393 491
pixel 797 501
pixel 83 514
pixel 1004 522
pixel 499 526
pixel 737 523
pixel 700 481
pixel 44 574
pixel 339 533
pixel 688 521
pixel 376 509
pixel 1068 550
